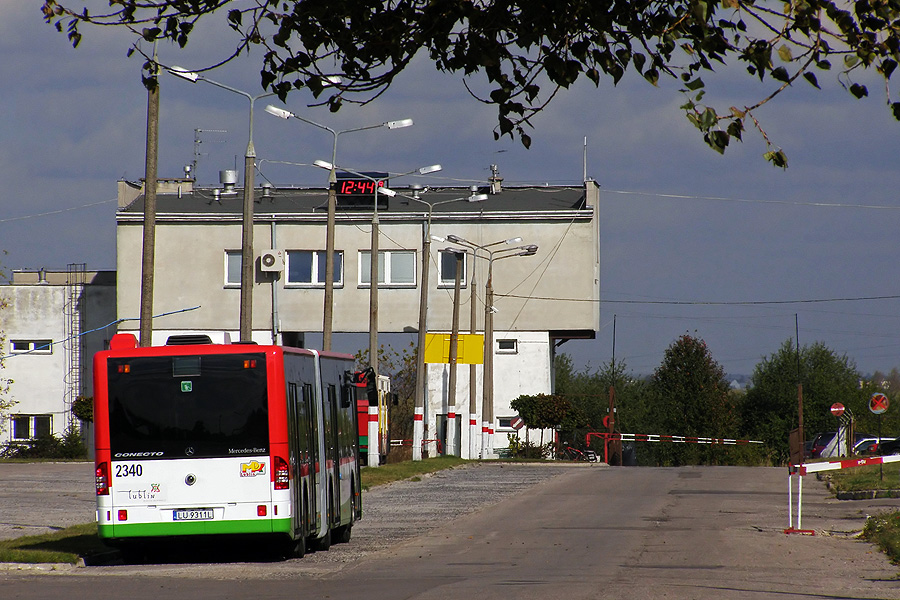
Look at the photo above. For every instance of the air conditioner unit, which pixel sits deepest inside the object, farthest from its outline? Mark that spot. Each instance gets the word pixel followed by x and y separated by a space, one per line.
pixel 271 260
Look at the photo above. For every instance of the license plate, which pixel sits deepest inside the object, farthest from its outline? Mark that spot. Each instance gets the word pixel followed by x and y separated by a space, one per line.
pixel 195 514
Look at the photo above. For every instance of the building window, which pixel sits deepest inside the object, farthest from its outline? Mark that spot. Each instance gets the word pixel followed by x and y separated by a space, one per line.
pixel 31 346
pixel 447 270
pixel 31 427
pixel 395 268
pixel 233 268
pixel 505 423
pixel 307 268
pixel 507 347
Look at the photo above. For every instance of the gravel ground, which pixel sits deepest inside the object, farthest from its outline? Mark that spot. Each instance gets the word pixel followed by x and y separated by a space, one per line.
pixel 35 498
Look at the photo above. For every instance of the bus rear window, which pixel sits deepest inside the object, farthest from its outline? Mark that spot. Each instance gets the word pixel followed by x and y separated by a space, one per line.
pixel 206 406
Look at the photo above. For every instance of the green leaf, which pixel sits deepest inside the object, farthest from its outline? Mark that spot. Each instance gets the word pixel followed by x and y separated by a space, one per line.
pixel 780 74
pixel 858 90
pixel 777 158
pixel 895 108
pixel 785 53
pixel 717 140
pixel 811 77
pixel 709 119
pixel 695 84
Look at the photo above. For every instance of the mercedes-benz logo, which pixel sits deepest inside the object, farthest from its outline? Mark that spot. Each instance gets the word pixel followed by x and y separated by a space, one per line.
pixel 189 451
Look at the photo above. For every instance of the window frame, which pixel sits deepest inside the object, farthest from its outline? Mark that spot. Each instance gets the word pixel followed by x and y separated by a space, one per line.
pixel 513 350
pixel 317 279
pixel 228 283
pixel 386 268
pixel 34 346
pixel 450 282
pixel 32 426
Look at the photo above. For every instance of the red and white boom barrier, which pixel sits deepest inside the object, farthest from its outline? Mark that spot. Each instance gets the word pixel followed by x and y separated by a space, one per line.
pixel 650 437
pixel 817 467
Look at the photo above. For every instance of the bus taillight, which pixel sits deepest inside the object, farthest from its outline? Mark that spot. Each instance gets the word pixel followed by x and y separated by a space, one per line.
pixel 282 474
pixel 102 479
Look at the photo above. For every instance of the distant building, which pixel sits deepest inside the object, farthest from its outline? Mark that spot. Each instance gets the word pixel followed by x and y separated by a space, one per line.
pixel 49 328
pixel 539 301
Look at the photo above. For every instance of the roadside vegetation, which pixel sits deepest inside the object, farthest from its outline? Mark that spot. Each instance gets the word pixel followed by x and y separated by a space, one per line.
pixel 870 477
pixel 884 531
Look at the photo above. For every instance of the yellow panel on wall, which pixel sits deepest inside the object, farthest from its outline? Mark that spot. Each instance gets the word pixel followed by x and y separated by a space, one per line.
pixel 469 348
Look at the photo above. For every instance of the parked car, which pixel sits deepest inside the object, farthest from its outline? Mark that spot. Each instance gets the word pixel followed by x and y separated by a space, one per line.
pixel 892 447
pixel 819 442
pixel 870 445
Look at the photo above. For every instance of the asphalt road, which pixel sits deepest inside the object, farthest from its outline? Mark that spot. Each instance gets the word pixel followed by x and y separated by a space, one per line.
pixel 588 532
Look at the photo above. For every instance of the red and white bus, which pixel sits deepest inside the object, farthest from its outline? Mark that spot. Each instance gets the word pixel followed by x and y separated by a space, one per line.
pixel 225 440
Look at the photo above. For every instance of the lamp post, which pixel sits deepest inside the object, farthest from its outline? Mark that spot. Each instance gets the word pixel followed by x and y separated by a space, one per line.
pixel 373 268
pixel 488 254
pixel 421 380
pixel 328 310
pixel 246 315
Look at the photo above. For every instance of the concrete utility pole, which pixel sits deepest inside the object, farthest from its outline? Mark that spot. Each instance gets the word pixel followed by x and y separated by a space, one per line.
pixel 421 379
pixel 247 263
pixel 150 177
pixel 488 253
pixel 454 349
pixel 328 308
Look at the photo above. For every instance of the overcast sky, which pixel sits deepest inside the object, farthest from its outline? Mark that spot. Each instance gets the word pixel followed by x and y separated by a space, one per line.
pixel 726 248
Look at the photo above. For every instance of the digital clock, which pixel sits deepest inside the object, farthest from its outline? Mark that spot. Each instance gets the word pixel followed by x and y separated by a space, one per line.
pixel 358 187
pixel 351 184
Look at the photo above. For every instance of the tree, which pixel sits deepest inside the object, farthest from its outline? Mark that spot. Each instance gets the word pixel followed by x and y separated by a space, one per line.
pixel 529 50
pixel 691 398
pixel 546 411
pixel 770 411
pixel 400 366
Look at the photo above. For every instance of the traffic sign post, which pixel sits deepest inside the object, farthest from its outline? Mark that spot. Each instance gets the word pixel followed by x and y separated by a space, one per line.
pixel 878 404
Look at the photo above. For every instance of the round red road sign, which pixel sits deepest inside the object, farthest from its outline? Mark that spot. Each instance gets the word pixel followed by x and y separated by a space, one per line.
pixel 878 403
pixel 516 423
pixel 837 409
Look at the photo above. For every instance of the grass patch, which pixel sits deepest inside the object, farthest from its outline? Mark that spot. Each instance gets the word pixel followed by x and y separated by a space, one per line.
pixel 64 546
pixel 884 531
pixel 407 470
pixel 866 478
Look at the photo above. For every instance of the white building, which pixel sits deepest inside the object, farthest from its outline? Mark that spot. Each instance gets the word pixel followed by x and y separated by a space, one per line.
pixel 50 332
pixel 539 300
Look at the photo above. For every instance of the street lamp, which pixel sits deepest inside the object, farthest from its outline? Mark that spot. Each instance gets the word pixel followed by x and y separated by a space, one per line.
pixel 328 310
pixel 246 318
pixel 418 422
pixel 373 269
pixel 488 252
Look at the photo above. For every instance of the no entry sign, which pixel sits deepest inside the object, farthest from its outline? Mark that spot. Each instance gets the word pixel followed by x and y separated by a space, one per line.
pixel 878 403
pixel 837 409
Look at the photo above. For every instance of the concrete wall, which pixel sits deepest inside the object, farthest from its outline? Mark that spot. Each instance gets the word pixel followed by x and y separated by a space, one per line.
pixel 36 311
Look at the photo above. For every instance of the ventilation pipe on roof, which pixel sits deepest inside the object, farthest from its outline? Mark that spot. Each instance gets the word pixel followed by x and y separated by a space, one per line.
pixel 495 180
pixel 228 178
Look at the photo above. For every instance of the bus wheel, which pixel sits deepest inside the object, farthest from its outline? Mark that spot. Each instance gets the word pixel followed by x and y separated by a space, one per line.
pixel 341 535
pixel 323 543
pixel 297 548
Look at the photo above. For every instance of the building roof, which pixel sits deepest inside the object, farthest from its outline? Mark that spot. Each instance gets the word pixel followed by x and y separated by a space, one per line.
pixel 200 201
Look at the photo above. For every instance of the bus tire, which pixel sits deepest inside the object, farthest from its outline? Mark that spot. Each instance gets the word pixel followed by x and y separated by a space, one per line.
pixel 323 543
pixel 341 535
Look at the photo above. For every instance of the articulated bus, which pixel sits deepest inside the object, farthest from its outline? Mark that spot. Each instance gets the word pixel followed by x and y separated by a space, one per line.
pixel 201 439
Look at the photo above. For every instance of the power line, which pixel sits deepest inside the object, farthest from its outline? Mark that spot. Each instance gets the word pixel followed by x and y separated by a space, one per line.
pixel 707 302
pixel 56 212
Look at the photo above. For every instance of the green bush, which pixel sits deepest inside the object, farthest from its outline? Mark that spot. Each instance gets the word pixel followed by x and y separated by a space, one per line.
pixel 69 446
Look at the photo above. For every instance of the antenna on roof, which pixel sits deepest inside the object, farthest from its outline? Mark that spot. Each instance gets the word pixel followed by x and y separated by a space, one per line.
pixel 197 142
